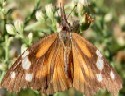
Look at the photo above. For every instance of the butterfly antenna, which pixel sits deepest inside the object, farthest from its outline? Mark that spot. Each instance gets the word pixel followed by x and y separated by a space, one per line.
pixel 63 15
pixel 64 23
pixel 72 11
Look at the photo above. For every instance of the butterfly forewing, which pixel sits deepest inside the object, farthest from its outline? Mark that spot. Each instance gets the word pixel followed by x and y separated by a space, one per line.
pixel 40 67
pixel 94 67
pixel 22 72
pixel 82 70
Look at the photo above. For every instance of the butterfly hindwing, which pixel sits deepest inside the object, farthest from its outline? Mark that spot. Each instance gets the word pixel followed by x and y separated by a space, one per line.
pixel 94 69
pixel 59 81
pixel 51 74
pixel 84 76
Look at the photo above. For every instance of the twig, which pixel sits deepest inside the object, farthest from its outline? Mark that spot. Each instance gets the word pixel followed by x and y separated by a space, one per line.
pixel 36 7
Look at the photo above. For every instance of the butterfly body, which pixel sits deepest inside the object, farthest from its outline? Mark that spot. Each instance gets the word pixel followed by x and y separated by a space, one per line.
pixel 60 61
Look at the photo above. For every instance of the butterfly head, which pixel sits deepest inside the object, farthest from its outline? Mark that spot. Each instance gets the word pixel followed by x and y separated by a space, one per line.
pixel 65 25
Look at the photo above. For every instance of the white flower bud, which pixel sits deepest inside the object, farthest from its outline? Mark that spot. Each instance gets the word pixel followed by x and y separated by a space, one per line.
pixel 122 19
pixel 3 11
pixel 10 29
pixel 23 48
pixel 49 10
pixel 3 67
pixel 58 28
pixel 108 17
pixel 4 3
pixel 30 36
pixel 121 40
pixel 39 15
pixel 18 25
pixel 79 7
pixel 84 2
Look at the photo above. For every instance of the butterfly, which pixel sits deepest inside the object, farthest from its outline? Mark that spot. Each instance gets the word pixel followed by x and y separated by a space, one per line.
pixel 60 61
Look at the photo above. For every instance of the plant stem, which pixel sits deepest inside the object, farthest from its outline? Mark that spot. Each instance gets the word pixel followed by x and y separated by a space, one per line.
pixel 6 39
pixel 7 43
pixel 36 7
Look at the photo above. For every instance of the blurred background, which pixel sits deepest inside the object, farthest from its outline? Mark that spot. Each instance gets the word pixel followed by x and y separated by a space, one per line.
pixel 23 22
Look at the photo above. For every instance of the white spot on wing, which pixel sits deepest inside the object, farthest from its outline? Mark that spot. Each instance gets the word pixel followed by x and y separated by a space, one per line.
pixel 98 53
pixel 12 75
pixel 26 63
pixel 29 77
pixel 100 63
pixel 99 77
pixel 112 75
pixel 25 54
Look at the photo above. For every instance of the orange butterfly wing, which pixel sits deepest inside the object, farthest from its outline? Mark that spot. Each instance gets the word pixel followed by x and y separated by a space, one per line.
pixel 51 73
pixel 22 72
pixel 91 70
pixel 51 66
pixel 41 67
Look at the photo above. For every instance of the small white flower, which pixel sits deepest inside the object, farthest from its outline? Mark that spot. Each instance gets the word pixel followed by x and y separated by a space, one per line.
pixel 3 67
pixel 58 28
pixel 122 19
pixel 10 29
pixel 79 7
pixel 18 25
pixel 39 15
pixel 121 40
pixel 3 10
pixel 23 48
pixel 84 2
pixel 108 17
pixel 4 3
pixel 49 10
pixel 30 35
